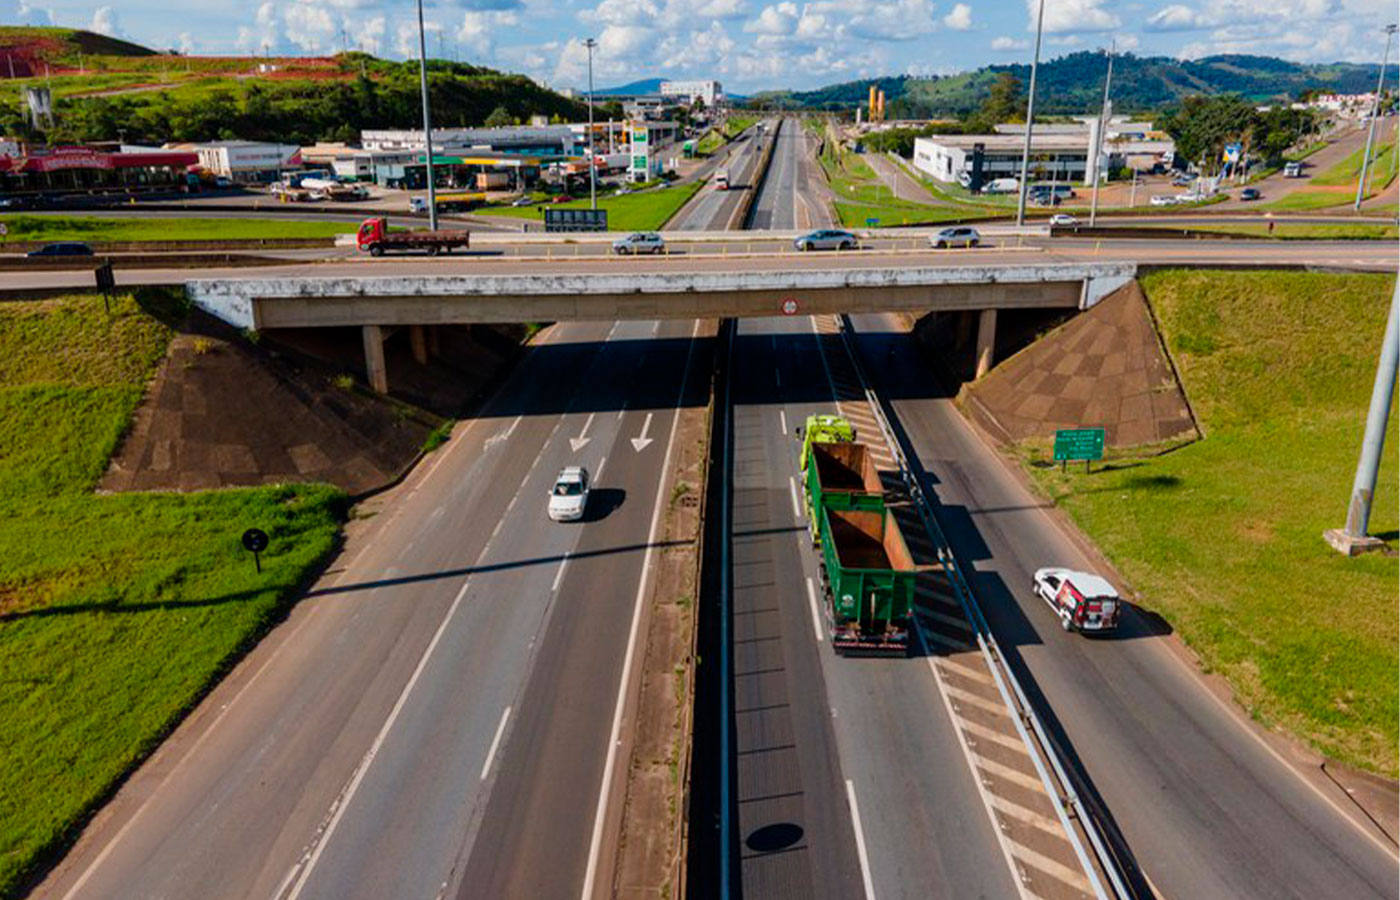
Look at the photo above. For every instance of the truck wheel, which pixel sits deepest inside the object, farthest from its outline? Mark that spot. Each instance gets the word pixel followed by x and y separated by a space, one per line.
pixel 972 243
pixel 447 250
pixel 376 250
pixel 433 250
pixel 1066 624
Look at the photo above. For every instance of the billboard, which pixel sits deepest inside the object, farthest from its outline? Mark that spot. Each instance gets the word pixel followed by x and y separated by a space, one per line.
pixel 565 220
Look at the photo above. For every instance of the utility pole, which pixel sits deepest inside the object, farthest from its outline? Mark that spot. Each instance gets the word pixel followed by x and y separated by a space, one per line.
pixel 427 120
pixel 592 155
pixel 1375 114
pixel 1353 539
pixel 1098 137
pixel 1030 116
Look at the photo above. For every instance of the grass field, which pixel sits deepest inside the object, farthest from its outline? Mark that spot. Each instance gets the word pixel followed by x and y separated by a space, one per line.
pixel 1224 537
pixel 1299 231
pixel 116 612
pixel 1305 200
pixel 641 211
pixel 1383 161
pixel 117 228
pixel 736 125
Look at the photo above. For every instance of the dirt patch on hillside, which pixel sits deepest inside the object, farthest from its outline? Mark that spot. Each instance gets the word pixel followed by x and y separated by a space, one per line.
pixel 223 411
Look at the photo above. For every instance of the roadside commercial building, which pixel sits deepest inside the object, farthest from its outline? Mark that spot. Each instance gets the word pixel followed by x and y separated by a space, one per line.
pixel 709 92
pixel 27 169
pixel 973 160
pixel 247 162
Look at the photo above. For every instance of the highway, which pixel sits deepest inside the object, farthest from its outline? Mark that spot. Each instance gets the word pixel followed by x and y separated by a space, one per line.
pixel 1208 808
pixel 713 209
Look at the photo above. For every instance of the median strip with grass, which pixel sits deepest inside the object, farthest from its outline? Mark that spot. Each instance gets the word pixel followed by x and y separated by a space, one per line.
pixel 125 228
pixel 117 612
pixel 645 210
pixel 1224 537
pixel 1294 231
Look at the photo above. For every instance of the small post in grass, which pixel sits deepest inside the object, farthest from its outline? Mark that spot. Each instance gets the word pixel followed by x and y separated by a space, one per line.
pixel 1078 443
pixel 255 541
pixel 106 281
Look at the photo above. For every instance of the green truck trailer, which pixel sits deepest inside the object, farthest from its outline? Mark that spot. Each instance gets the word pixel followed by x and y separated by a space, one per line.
pixel 868 574
pixel 867 571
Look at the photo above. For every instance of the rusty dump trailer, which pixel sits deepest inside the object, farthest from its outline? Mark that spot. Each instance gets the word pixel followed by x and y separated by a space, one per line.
pixel 840 476
pixel 868 574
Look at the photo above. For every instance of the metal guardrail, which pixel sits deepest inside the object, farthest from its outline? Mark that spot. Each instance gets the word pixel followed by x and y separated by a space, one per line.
pixel 1063 795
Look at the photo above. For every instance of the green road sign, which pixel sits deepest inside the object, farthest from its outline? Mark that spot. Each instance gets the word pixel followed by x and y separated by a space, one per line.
pixel 1078 443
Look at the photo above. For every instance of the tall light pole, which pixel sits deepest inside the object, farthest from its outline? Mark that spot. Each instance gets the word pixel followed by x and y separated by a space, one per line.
pixel 1375 114
pixel 1098 137
pixel 1030 116
pixel 427 119
pixel 1353 538
pixel 592 156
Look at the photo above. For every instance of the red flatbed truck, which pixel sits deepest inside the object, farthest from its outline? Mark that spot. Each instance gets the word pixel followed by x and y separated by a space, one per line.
pixel 375 238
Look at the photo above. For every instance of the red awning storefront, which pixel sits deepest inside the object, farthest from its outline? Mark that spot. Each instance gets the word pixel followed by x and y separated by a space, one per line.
pixel 61 159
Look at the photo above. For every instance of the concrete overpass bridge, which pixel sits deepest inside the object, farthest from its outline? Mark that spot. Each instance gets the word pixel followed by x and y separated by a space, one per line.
pixel 378 304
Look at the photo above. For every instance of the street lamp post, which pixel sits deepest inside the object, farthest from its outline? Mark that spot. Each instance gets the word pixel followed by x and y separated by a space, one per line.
pixel 1375 114
pixel 427 120
pixel 1098 138
pixel 1030 116
pixel 592 155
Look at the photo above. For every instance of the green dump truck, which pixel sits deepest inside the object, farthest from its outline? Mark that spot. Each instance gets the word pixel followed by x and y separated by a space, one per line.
pixel 866 568
pixel 868 574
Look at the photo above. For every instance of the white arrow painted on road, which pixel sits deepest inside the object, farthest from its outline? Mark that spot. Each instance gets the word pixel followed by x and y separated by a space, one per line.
pixel 640 443
pixel 578 443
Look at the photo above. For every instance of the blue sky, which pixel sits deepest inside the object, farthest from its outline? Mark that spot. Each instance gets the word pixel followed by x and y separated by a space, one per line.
pixel 747 44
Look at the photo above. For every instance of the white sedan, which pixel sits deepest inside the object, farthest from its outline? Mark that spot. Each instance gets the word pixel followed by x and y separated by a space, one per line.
pixel 569 496
pixel 1063 219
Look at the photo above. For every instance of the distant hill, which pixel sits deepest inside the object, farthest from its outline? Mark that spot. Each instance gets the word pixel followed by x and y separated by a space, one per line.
pixel 29 49
pixel 1074 84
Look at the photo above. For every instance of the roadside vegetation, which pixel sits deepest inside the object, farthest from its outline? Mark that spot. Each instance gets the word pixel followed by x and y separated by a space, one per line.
pixel 1223 537
pixel 116 612
pixel 118 228
pixel 1297 231
pixel 643 210
pixel 735 125
pixel 1383 168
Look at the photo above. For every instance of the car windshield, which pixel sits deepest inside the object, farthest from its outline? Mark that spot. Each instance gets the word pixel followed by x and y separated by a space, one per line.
pixel 568 489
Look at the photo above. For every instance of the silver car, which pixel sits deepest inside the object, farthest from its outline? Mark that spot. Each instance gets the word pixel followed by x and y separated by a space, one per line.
pixel 827 239
pixel 640 242
pixel 961 236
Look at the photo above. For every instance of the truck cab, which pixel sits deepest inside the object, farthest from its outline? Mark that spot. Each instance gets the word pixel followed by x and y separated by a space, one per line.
pixel 721 180
pixel 1083 601
pixel 372 233
pixel 824 429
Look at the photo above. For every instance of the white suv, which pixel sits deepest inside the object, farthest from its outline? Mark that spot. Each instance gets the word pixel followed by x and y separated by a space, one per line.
pixel 961 236
pixel 569 496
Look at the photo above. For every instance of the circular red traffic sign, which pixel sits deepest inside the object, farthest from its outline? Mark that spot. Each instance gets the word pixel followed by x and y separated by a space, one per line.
pixel 789 306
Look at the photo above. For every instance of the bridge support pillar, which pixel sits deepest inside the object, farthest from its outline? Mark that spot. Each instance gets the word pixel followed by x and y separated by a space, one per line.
pixel 375 369
pixel 986 341
pixel 418 342
pixel 434 340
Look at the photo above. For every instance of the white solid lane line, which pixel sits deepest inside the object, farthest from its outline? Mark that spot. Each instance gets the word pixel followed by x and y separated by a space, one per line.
pixel 342 802
pixel 782 422
pixel 559 576
pixel 816 614
pixel 495 744
pixel 614 741
pixel 796 506
pixel 860 842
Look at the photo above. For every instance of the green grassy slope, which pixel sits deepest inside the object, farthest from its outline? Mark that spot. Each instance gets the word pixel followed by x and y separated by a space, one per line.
pixel 1224 537
pixel 116 612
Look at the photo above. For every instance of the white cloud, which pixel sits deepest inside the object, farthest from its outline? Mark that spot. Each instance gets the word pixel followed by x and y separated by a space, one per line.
pixel 959 18
pixel 722 9
pixel 894 20
pixel 105 21
pixel 1072 15
pixel 777 20
pixel 1003 44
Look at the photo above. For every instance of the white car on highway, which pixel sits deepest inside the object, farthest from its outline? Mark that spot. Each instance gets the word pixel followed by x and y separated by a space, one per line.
pixel 569 496
pixel 1063 220
pixel 961 236
pixel 1084 602
pixel 1164 200
pixel 640 242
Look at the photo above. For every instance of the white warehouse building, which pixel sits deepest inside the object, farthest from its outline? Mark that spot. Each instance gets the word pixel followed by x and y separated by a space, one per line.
pixel 247 161
pixel 973 160
pixel 710 92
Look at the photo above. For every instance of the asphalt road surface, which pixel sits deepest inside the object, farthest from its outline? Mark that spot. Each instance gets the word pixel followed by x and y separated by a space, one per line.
pixel 436 716
pixel 712 209
pixel 1208 809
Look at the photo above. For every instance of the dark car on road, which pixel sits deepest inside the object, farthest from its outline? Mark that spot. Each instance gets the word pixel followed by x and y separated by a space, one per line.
pixel 62 248
pixel 1249 194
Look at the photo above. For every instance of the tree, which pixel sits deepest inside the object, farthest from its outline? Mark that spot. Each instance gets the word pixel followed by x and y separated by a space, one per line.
pixel 1202 126
pixel 499 118
pixel 1003 104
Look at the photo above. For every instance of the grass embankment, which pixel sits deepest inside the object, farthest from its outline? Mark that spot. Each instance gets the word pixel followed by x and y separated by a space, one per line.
pixel 644 210
pixel 1298 231
pixel 1224 537
pixel 861 195
pixel 1383 162
pixel 737 125
pixel 118 228
pixel 711 141
pixel 116 612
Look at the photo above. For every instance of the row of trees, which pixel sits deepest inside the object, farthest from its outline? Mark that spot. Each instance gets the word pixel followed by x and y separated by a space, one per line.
pixel 1203 126
pixel 303 111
